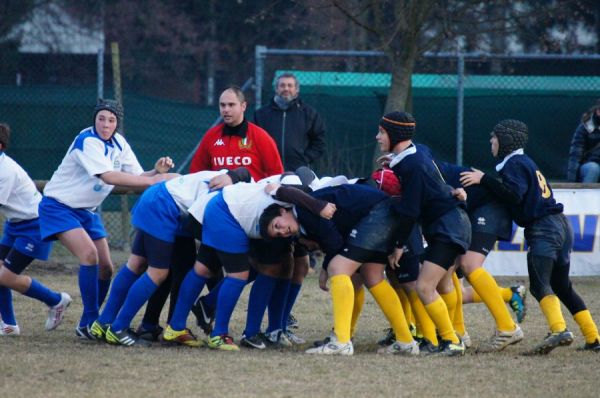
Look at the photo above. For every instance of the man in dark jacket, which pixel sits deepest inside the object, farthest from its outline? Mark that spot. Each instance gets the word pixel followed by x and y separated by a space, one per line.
pixel 296 127
pixel 584 155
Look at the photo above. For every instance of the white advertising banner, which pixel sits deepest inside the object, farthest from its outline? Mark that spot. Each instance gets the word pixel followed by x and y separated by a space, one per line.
pixel 582 208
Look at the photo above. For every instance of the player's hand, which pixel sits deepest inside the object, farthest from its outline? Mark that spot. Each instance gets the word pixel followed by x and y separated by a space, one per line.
pixel 468 178
pixel 271 187
pixel 460 194
pixel 394 258
pixel 220 181
pixel 323 277
pixel 385 160
pixel 328 211
pixel 163 165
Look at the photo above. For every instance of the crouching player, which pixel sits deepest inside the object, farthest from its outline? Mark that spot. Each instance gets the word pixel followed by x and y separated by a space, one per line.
pixel 21 244
pixel 547 232
pixel 156 217
pixel 358 238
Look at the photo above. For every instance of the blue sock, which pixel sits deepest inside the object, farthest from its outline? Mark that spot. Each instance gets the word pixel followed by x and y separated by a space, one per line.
pixel 277 305
pixel 190 288
pixel 103 285
pixel 88 286
pixel 210 300
pixel 40 292
pixel 260 295
pixel 6 306
pixel 139 293
pixel 228 298
pixel 291 300
pixel 123 281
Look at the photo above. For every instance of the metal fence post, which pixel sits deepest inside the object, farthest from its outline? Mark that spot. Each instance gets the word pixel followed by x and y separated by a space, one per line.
pixel 259 74
pixel 460 108
pixel 100 73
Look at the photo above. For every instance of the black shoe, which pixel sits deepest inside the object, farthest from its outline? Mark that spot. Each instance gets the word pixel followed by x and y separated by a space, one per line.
pixel 426 347
pixel 594 347
pixel 292 322
pixel 205 316
pixel 83 332
pixel 450 349
pixel 149 334
pixel 257 341
pixel 390 338
pixel 124 337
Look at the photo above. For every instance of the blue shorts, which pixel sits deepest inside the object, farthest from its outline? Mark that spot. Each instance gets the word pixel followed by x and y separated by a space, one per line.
pixel 24 236
pixel 492 219
pixel 157 252
pixel 220 230
pixel 550 236
pixel 56 218
pixel 452 227
pixel 157 214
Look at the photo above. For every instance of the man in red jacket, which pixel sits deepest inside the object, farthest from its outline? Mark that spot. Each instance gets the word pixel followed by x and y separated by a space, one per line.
pixel 237 142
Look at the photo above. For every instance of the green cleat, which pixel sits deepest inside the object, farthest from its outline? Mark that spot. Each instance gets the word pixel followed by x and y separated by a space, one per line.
pixel 98 331
pixel 181 337
pixel 124 337
pixel 517 302
pixel 223 342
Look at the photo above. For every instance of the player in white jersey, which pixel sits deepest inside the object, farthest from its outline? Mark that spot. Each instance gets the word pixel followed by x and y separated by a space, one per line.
pixel 98 159
pixel 229 220
pixel 21 244
pixel 157 218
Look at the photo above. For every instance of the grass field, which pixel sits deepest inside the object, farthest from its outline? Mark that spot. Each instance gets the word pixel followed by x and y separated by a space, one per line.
pixel 57 364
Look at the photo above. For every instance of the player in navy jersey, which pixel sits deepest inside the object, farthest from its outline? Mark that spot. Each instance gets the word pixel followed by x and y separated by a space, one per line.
pixel 358 238
pixel 490 221
pixel 547 232
pixel 429 201
pixel 98 159
pixel 21 244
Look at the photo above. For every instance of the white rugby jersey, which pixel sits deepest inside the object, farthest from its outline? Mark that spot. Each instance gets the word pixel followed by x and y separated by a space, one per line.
pixel 246 203
pixel 19 198
pixel 75 182
pixel 186 189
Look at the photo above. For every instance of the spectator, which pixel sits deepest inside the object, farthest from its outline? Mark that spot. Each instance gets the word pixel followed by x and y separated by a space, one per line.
pixel 584 155
pixel 296 127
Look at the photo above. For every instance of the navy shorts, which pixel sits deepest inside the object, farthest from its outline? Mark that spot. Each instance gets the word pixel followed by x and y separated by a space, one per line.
pixel 215 259
pixel 376 231
pixel 158 252
pixel 550 236
pixel 491 219
pixel 56 218
pixel 409 268
pixel 452 227
pixel 24 237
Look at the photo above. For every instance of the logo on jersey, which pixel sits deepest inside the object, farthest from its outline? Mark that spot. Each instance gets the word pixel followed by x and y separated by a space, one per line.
pixel 232 160
pixel 353 233
pixel 481 221
pixel 245 143
pixel 219 142
pixel 98 187
pixel 117 164
pixel 30 247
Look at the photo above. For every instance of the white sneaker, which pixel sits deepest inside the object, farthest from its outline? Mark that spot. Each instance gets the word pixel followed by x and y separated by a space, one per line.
pixel 294 338
pixel 9 330
pixel 334 347
pixel 399 348
pixel 501 340
pixel 56 313
pixel 466 339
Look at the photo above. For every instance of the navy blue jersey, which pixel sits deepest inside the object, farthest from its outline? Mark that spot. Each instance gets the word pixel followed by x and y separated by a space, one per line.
pixel 353 202
pixel 521 175
pixel 476 194
pixel 425 194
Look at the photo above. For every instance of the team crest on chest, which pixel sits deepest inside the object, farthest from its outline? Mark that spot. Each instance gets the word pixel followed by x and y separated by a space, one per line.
pixel 245 143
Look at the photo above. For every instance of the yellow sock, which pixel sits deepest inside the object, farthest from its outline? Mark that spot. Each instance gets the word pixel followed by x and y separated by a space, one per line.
pixel 551 308
pixel 476 297
pixel 506 293
pixel 359 300
pixel 342 296
pixel 485 284
pixel 587 325
pixel 450 300
pixel 408 314
pixel 439 314
pixel 424 323
pixel 458 322
pixel 390 305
